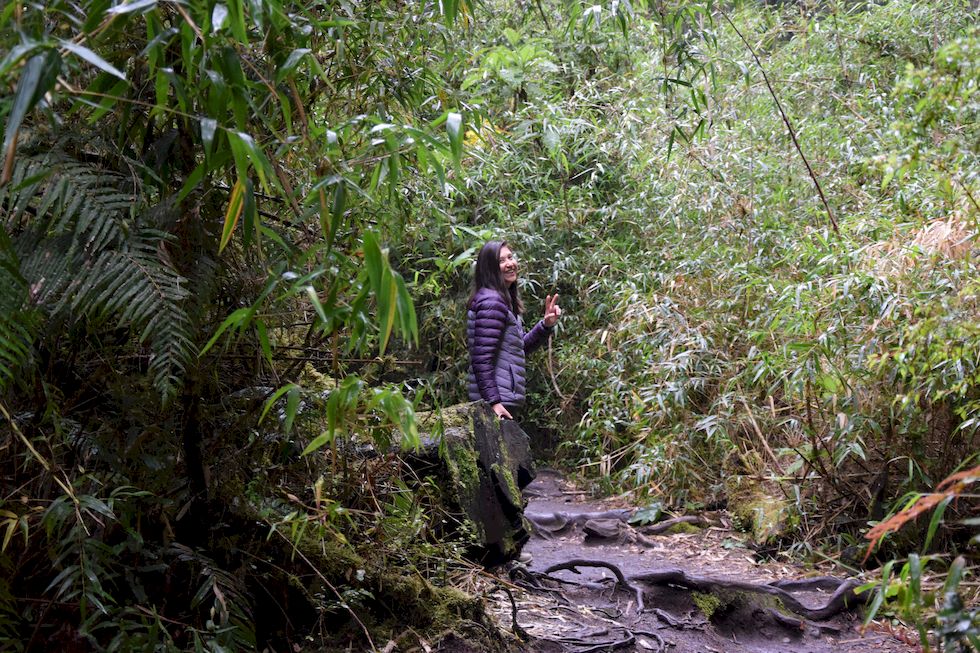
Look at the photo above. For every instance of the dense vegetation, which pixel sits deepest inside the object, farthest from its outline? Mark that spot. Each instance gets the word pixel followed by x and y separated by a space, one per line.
pixel 236 238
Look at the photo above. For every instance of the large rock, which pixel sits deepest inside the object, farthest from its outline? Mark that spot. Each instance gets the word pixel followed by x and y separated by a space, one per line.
pixel 483 463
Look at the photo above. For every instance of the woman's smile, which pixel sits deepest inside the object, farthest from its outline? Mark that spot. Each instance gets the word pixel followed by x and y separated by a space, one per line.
pixel 508 265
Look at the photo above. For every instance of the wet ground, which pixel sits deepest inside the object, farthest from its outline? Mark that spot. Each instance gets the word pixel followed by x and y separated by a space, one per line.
pixel 585 609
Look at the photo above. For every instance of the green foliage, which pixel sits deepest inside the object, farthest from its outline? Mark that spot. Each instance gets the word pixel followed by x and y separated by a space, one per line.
pixel 940 610
pixel 214 215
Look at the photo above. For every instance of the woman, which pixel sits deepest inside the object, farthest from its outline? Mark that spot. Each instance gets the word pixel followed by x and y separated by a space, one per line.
pixel 495 333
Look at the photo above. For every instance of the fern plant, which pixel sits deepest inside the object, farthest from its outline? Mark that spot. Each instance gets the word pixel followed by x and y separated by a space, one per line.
pixel 77 246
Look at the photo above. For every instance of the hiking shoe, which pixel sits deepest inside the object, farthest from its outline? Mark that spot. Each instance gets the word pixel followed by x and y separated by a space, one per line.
pixel 525 558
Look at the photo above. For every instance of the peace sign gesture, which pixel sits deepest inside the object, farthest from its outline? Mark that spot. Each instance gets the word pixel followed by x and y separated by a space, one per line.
pixel 552 311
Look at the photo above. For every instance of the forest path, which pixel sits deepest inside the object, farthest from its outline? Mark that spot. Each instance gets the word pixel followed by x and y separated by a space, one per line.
pixel 587 612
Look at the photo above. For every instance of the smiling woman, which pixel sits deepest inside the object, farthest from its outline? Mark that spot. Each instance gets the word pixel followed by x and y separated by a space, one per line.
pixel 495 331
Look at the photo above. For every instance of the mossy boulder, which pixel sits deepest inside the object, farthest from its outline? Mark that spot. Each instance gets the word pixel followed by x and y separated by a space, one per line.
pixel 483 464
pixel 756 503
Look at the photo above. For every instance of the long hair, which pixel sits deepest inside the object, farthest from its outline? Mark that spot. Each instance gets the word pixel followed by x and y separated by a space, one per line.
pixel 488 276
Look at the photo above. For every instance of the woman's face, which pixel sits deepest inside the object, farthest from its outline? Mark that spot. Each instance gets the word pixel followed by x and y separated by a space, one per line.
pixel 508 266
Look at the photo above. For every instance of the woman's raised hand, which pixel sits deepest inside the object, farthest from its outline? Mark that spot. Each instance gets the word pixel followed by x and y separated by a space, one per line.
pixel 552 311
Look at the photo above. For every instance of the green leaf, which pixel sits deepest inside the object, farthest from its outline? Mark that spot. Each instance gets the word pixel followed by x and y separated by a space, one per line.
pixel 449 9
pixel 91 57
pixel 236 204
pixel 937 518
pixel 317 305
pixel 271 401
pixel 954 575
pixel 454 127
pixel 292 406
pixel 337 211
pixel 289 65
pixel 192 182
pixel 317 442
pixel 386 308
pixel 244 146
pixel 264 341
pixel 208 127
pixel 129 7
pixel 406 311
pixel 33 84
pixel 218 17
pixel 879 596
pixel 238 319
pixel 17 53
pixel 373 260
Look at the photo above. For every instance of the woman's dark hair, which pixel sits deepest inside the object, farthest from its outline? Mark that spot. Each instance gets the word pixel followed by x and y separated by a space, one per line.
pixel 488 276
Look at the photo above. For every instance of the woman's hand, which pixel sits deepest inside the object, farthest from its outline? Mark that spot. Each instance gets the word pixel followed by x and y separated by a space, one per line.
pixel 501 411
pixel 552 311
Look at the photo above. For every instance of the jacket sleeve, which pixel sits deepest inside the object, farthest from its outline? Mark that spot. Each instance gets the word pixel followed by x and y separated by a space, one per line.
pixel 536 336
pixel 490 321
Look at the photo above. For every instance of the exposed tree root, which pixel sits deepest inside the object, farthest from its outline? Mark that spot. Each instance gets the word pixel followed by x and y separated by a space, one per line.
pixel 843 595
pixel 516 627
pixel 674 622
pixel 572 565
pixel 554 523
pixel 649 633
pixel 667 524
pixel 608 524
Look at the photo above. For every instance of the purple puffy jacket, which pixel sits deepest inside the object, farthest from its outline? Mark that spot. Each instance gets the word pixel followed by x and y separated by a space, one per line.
pixel 498 344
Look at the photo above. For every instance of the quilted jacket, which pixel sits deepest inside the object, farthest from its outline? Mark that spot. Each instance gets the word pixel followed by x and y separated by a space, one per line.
pixel 498 344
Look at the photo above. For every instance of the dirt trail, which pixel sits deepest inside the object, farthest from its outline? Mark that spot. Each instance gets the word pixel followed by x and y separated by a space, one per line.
pixel 589 611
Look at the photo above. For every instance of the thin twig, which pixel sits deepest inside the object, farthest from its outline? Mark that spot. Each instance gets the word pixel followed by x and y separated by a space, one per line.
pixel 789 125
pixel 762 439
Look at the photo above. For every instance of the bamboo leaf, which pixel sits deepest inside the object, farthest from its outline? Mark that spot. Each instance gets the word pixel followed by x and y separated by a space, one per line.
pixel 91 57
pixel 236 203
pixel 271 401
pixel 454 127
pixel 289 65
pixel 238 319
pixel 318 442
pixel 386 299
pixel 218 17
pixel 937 518
pixel 129 7
pixel 32 85
pixel 208 127
pixel 373 260
pixel 292 407
pixel 317 304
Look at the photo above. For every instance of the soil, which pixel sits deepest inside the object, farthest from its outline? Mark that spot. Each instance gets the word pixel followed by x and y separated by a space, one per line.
pixel 589 611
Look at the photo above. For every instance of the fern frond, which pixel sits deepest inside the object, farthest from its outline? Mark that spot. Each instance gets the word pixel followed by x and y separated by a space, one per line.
pixel 75 257
pixel 137 286
pixel 224 596
pixel 65 196
pixel 17 321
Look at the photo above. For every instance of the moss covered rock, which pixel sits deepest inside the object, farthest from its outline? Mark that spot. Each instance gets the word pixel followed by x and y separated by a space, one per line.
pixel 483 463
pixel 757 505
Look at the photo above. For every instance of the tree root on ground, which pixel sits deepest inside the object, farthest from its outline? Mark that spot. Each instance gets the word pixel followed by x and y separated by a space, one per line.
pixel 843 596
pixel 792 613
pixel 555 523
pixel 667 524
pixel 609 524
pixel 572 565
pixel 516 627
